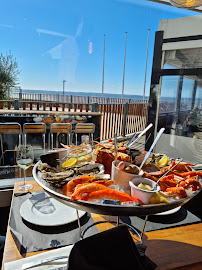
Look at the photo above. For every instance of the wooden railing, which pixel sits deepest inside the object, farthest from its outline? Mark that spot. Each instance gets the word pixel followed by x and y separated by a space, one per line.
pixel 120 119
pixel 72 99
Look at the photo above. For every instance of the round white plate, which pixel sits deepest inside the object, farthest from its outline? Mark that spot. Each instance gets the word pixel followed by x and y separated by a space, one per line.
pixel 172 211
pixel 60 213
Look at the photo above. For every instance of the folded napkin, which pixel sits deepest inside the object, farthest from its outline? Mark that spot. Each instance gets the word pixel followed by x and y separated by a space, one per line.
pixel 109 250
pixel 64 251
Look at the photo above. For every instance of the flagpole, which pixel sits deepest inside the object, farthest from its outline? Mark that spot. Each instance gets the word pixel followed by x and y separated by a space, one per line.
pixel 124 67
pixel 145 75
pixel 103 71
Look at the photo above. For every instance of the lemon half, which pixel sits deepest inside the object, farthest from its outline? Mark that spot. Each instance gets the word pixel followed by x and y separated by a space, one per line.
pixel 69 163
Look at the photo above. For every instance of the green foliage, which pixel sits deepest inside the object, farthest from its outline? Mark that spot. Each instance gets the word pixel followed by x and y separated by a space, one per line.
pixel 8 75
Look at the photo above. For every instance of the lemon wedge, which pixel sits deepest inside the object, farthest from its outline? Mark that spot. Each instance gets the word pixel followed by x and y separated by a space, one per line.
pixel 158 198
pixel 69 163
pixel 163 161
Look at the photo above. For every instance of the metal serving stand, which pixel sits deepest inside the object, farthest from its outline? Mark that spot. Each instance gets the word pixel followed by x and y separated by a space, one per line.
pixel 105 209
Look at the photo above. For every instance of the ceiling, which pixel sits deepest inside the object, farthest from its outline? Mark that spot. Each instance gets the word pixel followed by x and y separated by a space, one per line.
pixel 187 58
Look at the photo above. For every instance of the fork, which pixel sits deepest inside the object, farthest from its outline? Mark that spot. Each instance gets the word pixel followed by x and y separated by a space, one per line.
pixel 60 268
pixel 35 263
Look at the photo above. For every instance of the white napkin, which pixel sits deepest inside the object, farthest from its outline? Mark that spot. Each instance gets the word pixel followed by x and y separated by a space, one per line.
pixel 17 265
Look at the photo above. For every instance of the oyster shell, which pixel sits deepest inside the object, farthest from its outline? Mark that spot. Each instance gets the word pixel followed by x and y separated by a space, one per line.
pixel 92 169
pixel 57 176
pixel 44 167
pixel 102 177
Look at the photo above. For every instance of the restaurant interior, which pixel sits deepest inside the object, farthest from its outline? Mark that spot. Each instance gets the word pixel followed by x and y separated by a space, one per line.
pixel 69 200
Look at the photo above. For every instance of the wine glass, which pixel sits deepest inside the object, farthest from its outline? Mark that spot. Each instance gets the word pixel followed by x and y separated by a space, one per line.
pixel 25 158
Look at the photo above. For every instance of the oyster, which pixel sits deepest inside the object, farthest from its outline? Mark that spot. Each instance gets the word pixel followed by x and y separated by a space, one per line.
pixel 80 165
pixel 44 167
pixel 132 169
pixel 57 176
pixel 102 177
pixel 92 169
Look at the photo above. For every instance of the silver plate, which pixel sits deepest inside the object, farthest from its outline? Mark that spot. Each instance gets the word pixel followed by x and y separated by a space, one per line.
pixel 104 209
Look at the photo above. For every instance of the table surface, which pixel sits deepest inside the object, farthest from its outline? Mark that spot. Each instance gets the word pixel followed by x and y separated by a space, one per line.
pixel 177 248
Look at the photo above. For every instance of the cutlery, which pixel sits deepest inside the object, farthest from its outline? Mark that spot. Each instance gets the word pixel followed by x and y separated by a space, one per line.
pixel 31 264
pixel 153 144
pixel 60 268
pixel 166 173
pixel 136 137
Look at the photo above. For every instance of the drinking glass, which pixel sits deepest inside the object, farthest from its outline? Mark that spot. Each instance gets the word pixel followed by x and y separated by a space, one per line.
pixel 85 139
pixel 25 158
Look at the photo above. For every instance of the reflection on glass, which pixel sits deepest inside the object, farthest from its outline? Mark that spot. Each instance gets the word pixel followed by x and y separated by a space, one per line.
pixel 180 112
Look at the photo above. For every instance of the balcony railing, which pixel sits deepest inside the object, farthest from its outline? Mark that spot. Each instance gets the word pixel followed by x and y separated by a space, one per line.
pixel 121 119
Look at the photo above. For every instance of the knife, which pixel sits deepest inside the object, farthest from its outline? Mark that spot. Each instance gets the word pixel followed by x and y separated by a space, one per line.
pixel 154 143
pixel 31 264
pixel 135 138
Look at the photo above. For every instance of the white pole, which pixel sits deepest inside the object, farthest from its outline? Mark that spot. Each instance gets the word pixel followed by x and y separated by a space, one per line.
pixel 103 72
pixel 124 67
pixel 64 87
pixel 145 75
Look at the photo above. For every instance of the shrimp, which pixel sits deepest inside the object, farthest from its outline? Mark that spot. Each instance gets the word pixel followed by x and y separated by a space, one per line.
pixel 169 180
pixel 175 191
pixel 182 166
pixel 106 183
pixel 110 194
pixel 147 175
pixel 189 174
pixel 68 189
pixel 190 183
pixel 86 188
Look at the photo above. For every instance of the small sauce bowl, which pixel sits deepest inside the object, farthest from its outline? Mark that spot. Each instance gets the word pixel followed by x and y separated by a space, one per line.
pixel 122 178
pixel 141 194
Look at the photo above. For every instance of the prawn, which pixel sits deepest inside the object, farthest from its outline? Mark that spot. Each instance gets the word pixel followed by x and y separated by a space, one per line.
pixel 190 183
pixel 189 174
pixel 175 191
pixel 86 188
pixel 68 189
pixel 182 166
pixel 110 194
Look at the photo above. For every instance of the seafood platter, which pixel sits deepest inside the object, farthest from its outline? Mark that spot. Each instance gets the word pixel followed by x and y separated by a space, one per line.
pixel 92 179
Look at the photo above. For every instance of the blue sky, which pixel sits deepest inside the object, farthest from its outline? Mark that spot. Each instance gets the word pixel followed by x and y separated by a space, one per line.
pixel 50 40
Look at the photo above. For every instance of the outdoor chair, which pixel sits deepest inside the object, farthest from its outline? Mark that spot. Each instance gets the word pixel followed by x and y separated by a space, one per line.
pixel 85 128
pixel 11 129
pixel 34 128
pixel 61 128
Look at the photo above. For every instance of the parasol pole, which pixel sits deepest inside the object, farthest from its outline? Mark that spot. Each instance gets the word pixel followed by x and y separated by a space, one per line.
pixel 103 72
pixel 124 67
pixel 145 76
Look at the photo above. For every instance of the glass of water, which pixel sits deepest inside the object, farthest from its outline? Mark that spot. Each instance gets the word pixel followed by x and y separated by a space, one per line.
pixel 25 158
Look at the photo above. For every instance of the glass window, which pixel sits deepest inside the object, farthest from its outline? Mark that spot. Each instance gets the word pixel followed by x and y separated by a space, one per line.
pixel 180 112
